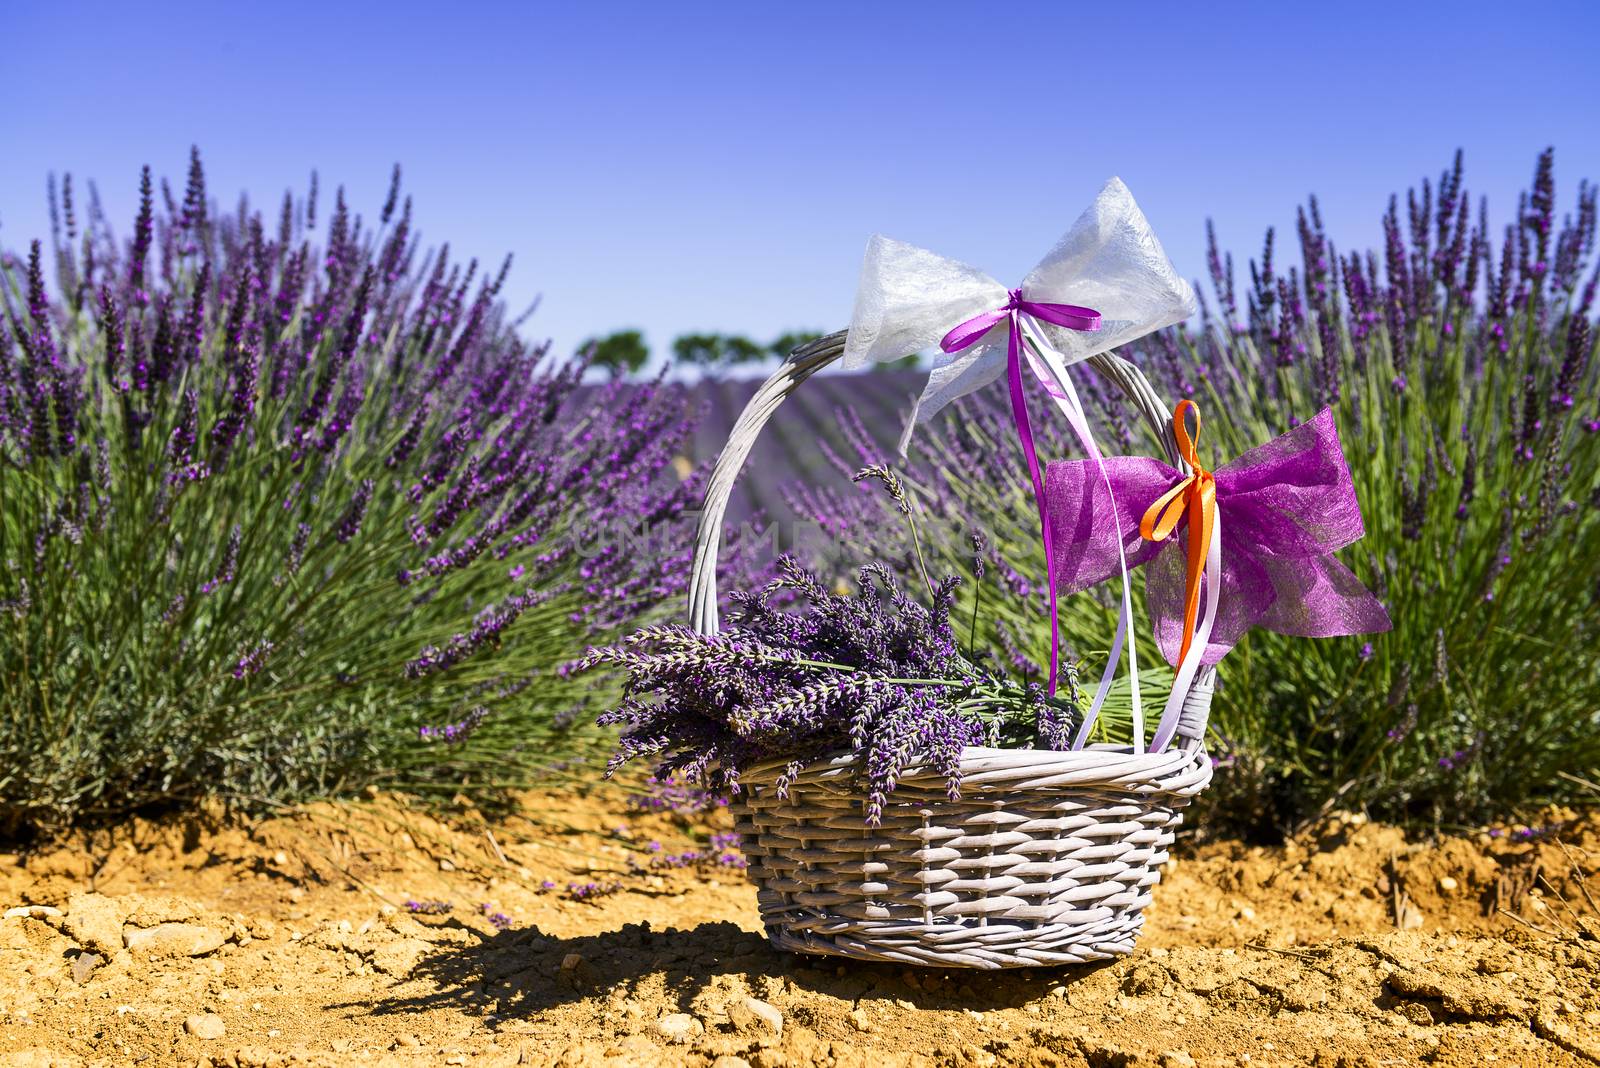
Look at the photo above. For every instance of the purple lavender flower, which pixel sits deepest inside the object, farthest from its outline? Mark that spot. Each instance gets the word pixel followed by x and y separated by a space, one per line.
pixel 1221 271
pixel 1400 731
pixel 1460 758
pixel 174 608
pixel 877 673
pixel 1540 218
pixel 394 193
pixel 485 633
pixel 1264 288
pixel 180 444
pixel 457 732
pixel 252 659
pixel 350 523
pixel 297 548
pixel 143 231
pixel 228 567
pixel 1574 363
pixel 672 795
pixel 44 379
pixel 1469 480
pixel 591 890
pixel 408 441
pixel 428 908
pixel 311 414
pixel 116 349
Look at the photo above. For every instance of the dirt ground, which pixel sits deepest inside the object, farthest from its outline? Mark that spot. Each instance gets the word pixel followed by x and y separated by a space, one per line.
pixel 371 934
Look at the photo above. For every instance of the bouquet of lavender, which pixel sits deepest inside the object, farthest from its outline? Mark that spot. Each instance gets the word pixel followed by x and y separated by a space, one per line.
pixel 804 672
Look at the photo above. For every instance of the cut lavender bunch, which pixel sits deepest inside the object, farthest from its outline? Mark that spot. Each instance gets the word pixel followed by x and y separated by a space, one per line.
pixel 873 673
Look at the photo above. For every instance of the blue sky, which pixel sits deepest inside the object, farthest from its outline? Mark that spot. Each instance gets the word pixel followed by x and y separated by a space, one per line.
pixel 720 167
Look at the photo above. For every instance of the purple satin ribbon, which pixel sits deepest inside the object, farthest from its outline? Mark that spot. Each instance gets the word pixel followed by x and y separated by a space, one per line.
pixel 968 334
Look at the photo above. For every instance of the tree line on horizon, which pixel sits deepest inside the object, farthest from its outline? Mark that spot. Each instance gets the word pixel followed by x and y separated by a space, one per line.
pixel 626 351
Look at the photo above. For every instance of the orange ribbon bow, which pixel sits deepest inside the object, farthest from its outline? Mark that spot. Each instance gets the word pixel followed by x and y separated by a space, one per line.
pixel 1195 496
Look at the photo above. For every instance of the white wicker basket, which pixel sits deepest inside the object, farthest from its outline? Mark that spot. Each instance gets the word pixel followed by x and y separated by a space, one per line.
pixel 1047 858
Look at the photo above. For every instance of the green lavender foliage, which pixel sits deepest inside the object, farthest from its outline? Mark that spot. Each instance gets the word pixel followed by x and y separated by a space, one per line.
pixel 1460 363
pixel 1469 417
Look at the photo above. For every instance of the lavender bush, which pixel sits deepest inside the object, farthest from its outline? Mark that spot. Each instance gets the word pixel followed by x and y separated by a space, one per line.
pixel 875 673
pixel 1459 360
pixel 283 514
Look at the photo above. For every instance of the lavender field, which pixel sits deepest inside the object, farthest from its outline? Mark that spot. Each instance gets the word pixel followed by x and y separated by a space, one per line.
pixel 1157 627
pixel 808 443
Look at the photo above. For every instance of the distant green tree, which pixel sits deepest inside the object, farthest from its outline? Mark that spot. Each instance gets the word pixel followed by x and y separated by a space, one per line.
pixel 716 350
pixel 737 349
pixel 702 350
pixel 623 351
pixel 730 350
pixel 787 343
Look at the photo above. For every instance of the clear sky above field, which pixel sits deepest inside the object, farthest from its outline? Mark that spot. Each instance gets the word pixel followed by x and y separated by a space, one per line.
pixel 719 167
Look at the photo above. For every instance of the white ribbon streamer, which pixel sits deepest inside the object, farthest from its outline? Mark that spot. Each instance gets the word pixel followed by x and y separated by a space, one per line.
pixel 1049 368
pixel 1190 665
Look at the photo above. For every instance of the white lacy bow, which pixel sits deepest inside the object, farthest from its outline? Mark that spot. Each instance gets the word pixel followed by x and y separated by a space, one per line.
pixel 1110 260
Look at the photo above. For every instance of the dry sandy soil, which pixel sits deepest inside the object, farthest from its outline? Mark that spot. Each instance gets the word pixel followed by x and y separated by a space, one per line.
pixel 288 941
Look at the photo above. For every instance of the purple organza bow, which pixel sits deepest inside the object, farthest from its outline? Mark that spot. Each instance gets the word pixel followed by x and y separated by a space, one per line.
pixel 1285 507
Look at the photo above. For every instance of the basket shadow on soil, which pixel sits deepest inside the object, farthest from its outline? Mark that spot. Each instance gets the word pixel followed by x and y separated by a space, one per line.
pixel 520 973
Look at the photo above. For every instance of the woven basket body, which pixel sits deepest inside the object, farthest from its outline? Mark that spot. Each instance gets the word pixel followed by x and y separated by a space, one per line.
pixel 1046 858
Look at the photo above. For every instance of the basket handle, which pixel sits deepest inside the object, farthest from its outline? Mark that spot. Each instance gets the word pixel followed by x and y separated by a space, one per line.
pixel 807 360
